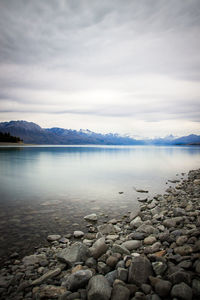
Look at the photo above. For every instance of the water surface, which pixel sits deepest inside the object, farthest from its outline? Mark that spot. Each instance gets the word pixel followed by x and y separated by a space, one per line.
pixel 48 189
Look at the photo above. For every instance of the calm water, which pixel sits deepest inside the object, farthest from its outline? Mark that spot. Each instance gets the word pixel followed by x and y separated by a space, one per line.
pixel 48 189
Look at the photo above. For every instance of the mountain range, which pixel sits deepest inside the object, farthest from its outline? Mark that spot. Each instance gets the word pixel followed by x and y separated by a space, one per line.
pixel 32 133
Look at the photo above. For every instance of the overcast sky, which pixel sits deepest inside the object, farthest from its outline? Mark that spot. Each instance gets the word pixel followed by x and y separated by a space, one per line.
pixel 106 65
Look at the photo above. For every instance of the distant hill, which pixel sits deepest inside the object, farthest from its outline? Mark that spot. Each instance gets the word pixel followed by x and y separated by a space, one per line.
pixel 32 133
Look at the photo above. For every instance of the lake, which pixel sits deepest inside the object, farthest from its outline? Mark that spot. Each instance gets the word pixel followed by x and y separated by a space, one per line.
pixel 49 189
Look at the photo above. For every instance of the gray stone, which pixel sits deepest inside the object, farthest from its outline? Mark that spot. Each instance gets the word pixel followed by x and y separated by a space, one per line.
pixel 150 240
pixel 102 267
pixel 99 288
pixel 120 249
pixel 47 275
pixel 181 240
pixel 136 222
pixel 183 250
pixel 149 229
pixel 180 276
pixel 178 211
pixel 111 276
pixel 140 270
pixel 163 287
pixel 196 287
pixel 76 253
pixel 91 217
pixel 78 280
pixel 182 291
pixel 91 262
pixel 34 259
pixel 120 292
pixel 122 274
pixel 106 229
pixel 53 237
pixel 132 245
pixel 133 214
pixel 111 261
pixel 99 248
pixel 78 234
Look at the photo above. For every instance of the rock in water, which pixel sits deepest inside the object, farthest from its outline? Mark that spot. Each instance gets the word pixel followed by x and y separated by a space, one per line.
pixel 77 252
pixel 78 234
pixel 53 237
pixel 140 270
pixel 99 288
pixel 92 217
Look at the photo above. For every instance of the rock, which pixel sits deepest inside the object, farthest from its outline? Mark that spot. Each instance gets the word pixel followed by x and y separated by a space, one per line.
pixel 106 229
pixel 122 274
pixel 76 253
pixel 163 287
pixel 149 240
pixel 78 234
pixel 78 280
pixel 141 191
pixel 48 291
pixel 120 292
pixel 111 261
pixel 136 236
pixel 146 288
pixel 4 282
pixel 196 287
pixel 35 259
pixel 91 217
pixel 140 270
pixel 149 229
pixel 120 249
pixel 91 262
pixel 133 214
pixel 181 240
pixel 183 250
pixel 99 288
pixel 47 275
pixel 102 267
pixel 112 237
pixel 159 267
pixel 169 223
pixel 197 181
pixel 181 291
pixel 178 211
pixel 99 248
pixel 180 276
pixel 136 222
pixel 111 276
pixel 53 237
pixel 132 245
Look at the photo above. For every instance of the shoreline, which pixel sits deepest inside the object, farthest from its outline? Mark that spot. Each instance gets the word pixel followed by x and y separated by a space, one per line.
pixel 150 254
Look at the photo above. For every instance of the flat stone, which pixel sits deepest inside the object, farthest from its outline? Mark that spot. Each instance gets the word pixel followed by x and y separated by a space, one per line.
pixel 132 244
pixel 91 217
pixel 34 259
pixel 99 288
pixel 78 280
pixel 182 291
pixel 99 248
pixel 140 270
pixel 76 253
pixel 120 249
pixel 47 275
pixel 147 229
pixel 53 237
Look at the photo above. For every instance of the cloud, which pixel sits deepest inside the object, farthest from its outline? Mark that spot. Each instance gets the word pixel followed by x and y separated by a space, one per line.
pixel 134 60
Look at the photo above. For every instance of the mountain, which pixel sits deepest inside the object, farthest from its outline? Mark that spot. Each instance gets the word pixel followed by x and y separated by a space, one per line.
pixel 32 133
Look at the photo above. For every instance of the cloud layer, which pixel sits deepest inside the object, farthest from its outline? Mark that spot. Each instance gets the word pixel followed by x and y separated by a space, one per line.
pixel 126 66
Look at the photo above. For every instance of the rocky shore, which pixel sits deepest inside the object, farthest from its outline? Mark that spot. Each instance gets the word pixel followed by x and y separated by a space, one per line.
pixel 150 254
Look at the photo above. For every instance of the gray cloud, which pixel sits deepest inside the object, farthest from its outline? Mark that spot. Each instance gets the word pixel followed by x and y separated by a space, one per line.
pixel 129 59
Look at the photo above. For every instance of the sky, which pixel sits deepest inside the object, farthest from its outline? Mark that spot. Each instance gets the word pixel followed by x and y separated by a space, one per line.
pixel 131 67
